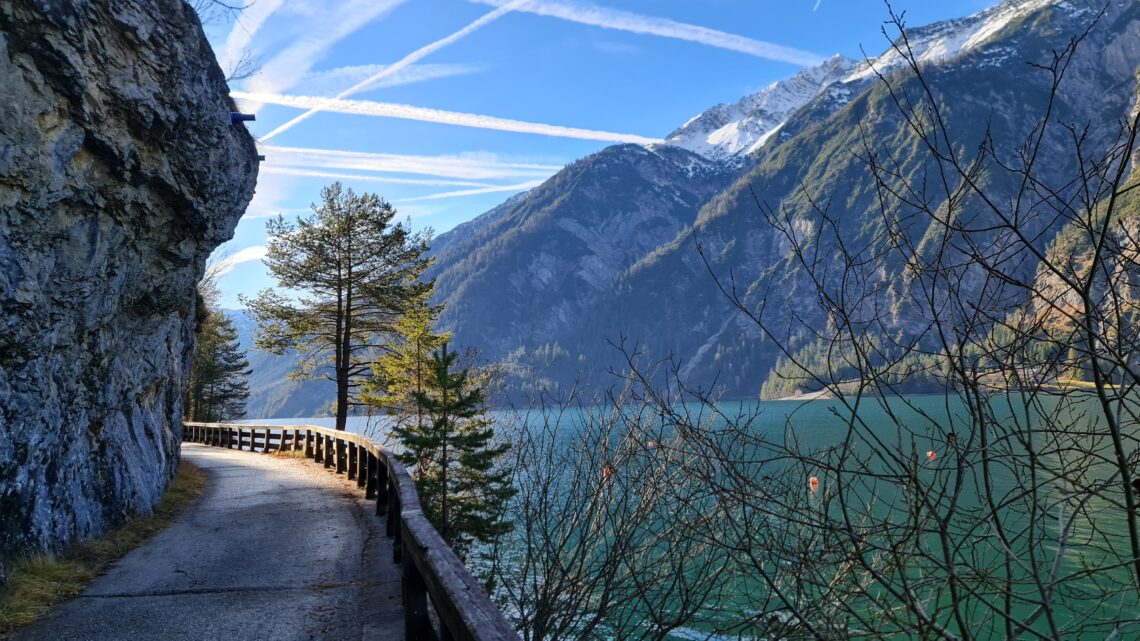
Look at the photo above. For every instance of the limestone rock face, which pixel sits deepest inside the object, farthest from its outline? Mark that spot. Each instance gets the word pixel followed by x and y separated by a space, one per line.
pixel 119 173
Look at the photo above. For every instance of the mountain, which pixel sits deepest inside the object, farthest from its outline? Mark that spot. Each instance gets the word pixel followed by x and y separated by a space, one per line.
pixel 272 393
pixel 606 249
pixel 731 132
pixel 604 253
pixel 535 268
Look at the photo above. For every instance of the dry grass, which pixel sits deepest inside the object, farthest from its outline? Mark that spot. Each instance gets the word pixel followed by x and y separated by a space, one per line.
pixel 37 583
pixel 1072 383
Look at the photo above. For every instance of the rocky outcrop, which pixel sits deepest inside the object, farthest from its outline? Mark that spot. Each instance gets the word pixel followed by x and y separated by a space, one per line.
pixel 119 173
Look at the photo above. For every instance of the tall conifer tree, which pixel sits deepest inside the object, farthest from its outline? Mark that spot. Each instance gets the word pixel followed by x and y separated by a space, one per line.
pixel 462 486
pixel 403 370
pixel 352 273
pixel 217 386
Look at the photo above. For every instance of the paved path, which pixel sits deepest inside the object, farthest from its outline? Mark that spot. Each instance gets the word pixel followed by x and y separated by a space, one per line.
pixel 275 549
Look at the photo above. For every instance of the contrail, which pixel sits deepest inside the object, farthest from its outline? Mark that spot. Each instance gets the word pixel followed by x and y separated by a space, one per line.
pixel 407 60
pixel 290 171
pixel 249 254
pixel 408 112
pixel 474 192
pixel 331 81
pixel 322 33
pixel 607 18
pixel 248 23
pixel 481 166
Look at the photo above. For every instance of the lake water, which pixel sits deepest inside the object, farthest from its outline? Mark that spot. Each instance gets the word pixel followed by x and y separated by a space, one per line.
pixel 1063 515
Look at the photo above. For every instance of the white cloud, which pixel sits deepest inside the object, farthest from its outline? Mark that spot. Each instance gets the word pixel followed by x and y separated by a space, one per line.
pixel 391 110
pixel 247 24
pixel 401 64
pixel 416 212
pixel 466 166
pixel 273 194
pixel 474 192
pixel 267 213
pixel 607 18
pixel 323 25
pixel 227 263
pixel 289 171
pixel 332 81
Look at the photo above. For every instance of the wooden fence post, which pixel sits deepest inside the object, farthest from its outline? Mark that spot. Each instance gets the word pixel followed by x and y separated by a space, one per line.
pixel 361 466
pixel 432 576
pixel 352 460
pixel 370 484
pixel 417 625
pixel 382 490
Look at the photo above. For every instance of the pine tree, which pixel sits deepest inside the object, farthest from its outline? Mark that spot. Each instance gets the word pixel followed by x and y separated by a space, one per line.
pixel 354 274
pixel 462 485
pixel 403 370
pixel 217 388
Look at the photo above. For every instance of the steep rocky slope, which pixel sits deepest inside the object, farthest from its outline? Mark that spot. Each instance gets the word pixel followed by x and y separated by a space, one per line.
pixel 606 249
pixel 540 262
pixel 273 393
pixel 119 173
pixel 731 132
pixel 987 89
pixel 509 288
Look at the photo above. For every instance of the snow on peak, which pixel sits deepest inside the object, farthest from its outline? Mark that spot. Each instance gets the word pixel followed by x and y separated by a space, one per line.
pixel 948 39
pixel 728 131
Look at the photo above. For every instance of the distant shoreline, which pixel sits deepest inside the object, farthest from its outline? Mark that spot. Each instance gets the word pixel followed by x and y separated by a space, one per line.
pixel 821 395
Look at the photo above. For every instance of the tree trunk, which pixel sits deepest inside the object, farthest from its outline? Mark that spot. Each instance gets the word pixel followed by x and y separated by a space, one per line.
pixel 445 423
pixel 341 398
pixel 345 349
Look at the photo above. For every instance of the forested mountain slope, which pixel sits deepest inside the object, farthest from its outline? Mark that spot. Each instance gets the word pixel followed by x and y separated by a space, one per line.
pixel 606 251
pixel 607 248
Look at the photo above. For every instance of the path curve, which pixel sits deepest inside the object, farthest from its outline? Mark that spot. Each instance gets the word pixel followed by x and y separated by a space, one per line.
pixel 274 549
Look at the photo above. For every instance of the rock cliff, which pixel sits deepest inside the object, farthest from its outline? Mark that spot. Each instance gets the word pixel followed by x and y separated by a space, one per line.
pixel 119 173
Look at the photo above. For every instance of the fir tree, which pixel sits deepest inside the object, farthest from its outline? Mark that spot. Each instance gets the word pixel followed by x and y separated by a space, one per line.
pixel 403 370
pixel 217 388
pixel 462 486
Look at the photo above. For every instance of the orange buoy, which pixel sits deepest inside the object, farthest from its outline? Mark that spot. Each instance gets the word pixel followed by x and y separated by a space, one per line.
pixel 813 482
pixel 931 455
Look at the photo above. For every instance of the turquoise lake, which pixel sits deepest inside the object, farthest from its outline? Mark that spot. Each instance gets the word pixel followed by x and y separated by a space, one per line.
pixel 1078 486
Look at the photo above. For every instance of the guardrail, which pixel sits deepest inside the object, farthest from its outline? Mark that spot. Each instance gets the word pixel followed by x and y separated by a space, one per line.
pixel 430 568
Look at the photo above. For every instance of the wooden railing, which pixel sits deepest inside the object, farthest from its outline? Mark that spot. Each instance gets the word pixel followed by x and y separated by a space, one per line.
pixel 430 568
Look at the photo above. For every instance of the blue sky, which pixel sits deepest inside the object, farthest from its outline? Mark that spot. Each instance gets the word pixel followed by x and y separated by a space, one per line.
pixel 520 73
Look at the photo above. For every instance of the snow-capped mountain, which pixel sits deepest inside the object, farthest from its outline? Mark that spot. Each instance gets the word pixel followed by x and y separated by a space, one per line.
pixel 729 131
pixel 944 41
pixel 551 280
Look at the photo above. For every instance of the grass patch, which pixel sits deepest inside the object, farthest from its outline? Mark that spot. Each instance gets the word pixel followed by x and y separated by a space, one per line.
pixel 37 583
pixel 289 453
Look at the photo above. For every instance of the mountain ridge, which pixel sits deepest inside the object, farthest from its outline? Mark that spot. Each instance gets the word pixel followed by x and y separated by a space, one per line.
pixel 552 279
pixel 666 298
